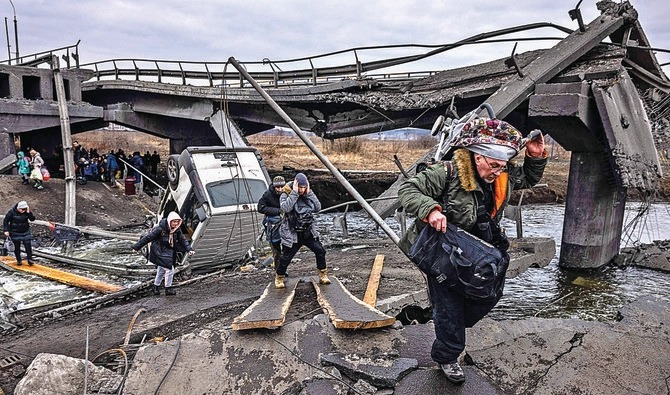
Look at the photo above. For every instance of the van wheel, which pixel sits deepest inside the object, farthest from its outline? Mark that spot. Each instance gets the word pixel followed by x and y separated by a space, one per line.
pixel 173 170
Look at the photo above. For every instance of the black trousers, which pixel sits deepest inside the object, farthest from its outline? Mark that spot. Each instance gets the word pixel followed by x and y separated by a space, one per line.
pixel 17 249
pixel 276 251
pixel 304 239
pixel 452 313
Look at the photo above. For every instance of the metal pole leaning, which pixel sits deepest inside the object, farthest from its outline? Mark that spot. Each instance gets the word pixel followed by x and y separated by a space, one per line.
pixel 354 193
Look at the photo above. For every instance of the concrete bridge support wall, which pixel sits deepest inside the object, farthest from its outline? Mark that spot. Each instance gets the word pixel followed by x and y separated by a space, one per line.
pixel 594 212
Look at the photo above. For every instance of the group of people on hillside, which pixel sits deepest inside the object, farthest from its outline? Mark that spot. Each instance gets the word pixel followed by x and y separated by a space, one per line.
pixel 89 164
pixel 109 167
pixel 469 190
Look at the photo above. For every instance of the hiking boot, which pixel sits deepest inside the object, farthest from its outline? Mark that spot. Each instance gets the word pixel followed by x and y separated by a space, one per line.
pixel 454 372
pixel 279 281
pixel 170 291
pixel 157 289
pixel 323 277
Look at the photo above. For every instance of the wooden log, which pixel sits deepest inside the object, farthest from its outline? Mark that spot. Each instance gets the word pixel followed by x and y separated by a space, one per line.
pixel 370 297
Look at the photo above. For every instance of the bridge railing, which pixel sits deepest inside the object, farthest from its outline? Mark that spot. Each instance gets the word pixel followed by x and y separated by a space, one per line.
pixel 217 74
pixel 70 54
pixel 304 71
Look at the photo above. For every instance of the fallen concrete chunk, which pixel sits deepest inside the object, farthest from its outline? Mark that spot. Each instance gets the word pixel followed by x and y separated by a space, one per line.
pixel 50 374
pixel 382 371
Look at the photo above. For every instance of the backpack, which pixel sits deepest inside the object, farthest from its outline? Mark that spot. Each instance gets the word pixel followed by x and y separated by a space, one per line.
pixel 471 266
pixel 272 224
pixel 300 222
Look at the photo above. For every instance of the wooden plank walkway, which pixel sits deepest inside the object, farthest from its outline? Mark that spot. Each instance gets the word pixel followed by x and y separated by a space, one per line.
pixel 370 297
pixel 9 262
pixel 347 311
pixel 269 311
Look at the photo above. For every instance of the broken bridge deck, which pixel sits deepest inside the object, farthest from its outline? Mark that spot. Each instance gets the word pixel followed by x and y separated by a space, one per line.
pixel 347 311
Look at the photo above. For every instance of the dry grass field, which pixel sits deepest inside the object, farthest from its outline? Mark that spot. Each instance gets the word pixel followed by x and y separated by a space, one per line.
pixel 353 153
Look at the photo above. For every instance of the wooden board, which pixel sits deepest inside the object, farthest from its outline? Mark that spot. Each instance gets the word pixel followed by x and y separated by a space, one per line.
pixel 269 311
pixel 60 276
pixel 345 310
pixel 370 297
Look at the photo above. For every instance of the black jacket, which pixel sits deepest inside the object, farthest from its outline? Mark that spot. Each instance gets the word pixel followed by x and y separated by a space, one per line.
pixel 161 253
pixel 18 224
pixel 269 203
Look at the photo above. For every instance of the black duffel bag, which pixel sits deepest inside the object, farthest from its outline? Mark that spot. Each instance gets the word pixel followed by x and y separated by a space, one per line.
pixel 472 266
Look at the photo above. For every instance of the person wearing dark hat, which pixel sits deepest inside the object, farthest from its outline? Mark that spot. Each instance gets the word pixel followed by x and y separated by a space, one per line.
pixel 166 240
pixel 471 192
pixel 16 226
pixel 299 205
pixel 269 206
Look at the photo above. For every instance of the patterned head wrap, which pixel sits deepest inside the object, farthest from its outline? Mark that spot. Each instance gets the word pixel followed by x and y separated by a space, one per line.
pixel 489 137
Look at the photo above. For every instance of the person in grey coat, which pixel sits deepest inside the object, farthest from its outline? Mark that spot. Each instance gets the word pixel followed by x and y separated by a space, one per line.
pixel 166 240
pixel 299 205
pixel 16 226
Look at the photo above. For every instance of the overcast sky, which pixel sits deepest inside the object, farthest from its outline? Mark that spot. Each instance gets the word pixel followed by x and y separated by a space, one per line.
pixel 251 30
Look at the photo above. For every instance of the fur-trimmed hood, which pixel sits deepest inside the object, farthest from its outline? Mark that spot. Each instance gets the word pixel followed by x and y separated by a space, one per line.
pixel 466 169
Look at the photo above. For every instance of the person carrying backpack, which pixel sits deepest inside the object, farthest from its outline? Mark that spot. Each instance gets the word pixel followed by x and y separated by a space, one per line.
pixel 299 204
pixel 471 192
pixel 269 206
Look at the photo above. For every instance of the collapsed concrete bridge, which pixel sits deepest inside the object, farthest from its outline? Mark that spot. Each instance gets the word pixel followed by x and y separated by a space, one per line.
pixel 587 94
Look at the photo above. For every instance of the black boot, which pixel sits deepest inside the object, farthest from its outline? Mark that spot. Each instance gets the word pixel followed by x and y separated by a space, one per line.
pixel 170 291
pixel 157 290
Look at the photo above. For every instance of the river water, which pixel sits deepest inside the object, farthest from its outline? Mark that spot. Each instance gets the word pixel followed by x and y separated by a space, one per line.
pixel 543 292
pixel 558 293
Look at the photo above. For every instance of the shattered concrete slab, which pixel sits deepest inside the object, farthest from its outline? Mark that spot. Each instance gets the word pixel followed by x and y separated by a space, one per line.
pixel 381 370
pixel 248 362
pixel 532 356
pixel 570 356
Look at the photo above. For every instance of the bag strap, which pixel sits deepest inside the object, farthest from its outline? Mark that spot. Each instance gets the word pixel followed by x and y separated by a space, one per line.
pixel 449 168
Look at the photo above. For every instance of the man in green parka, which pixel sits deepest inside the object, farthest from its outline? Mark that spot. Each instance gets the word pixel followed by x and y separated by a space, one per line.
pixel 479 175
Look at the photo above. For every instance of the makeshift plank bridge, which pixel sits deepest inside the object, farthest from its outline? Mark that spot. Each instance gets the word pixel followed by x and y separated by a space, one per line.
pixel 9 263
pixel 344 309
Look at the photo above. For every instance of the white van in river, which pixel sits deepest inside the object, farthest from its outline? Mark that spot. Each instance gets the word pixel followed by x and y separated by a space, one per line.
pixel 216 191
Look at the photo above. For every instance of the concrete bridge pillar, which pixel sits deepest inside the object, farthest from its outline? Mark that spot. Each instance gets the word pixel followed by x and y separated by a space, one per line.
pixel 594 212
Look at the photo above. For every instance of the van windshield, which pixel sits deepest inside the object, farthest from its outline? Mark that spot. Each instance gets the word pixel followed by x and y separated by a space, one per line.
pixel 235 192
